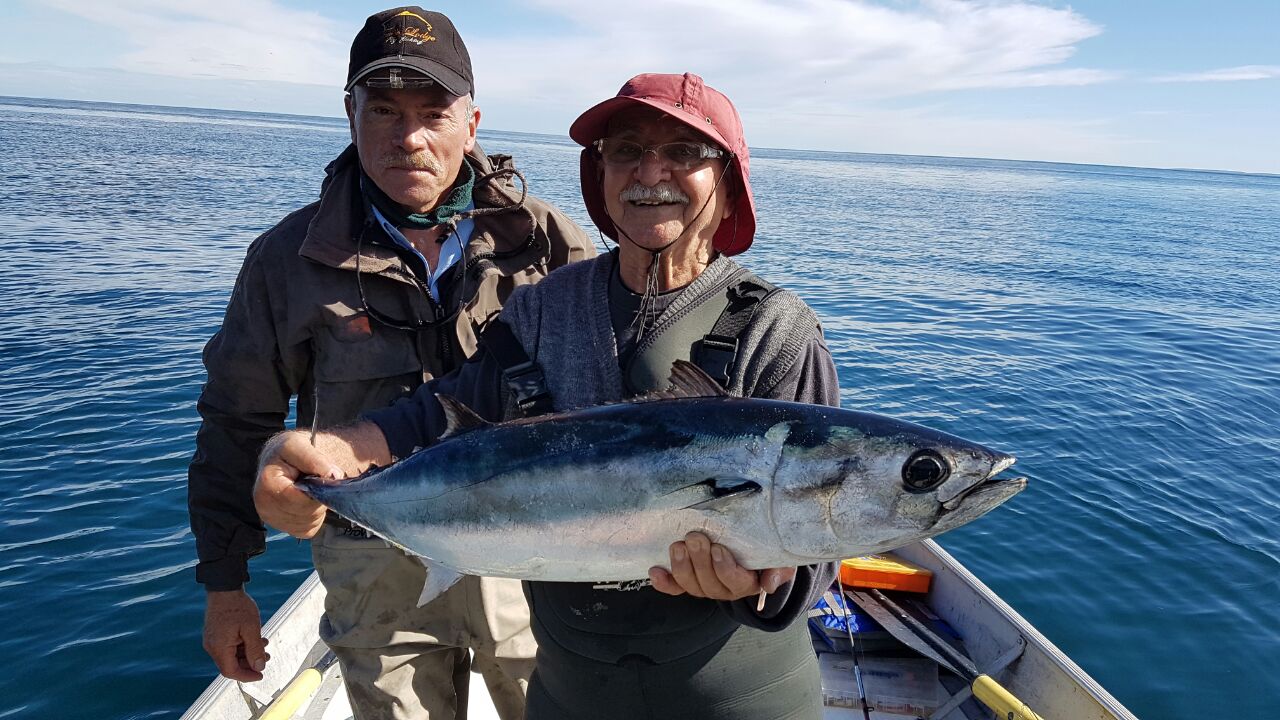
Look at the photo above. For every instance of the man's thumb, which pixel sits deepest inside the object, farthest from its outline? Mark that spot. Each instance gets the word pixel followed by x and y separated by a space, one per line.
pixel 311 461
pixel 255 651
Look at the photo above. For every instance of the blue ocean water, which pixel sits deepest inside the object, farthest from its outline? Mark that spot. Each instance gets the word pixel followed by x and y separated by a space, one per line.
pixel 1116 328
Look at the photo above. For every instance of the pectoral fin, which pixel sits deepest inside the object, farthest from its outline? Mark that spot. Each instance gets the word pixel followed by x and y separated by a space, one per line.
pixel 726 491
pixel 710 494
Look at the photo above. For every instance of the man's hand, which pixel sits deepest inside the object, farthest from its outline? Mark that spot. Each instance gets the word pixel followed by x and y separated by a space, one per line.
pixel 233 635
pixel 705 569
pixel 285 458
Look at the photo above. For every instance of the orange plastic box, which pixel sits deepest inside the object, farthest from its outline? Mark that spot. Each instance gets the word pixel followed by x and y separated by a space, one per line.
pixel 887 572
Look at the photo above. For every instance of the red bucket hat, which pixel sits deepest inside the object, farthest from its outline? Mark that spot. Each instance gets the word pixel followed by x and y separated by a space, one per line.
pixel 687 99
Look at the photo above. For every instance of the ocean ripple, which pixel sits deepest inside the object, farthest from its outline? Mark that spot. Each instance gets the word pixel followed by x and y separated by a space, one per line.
pixel 1115 328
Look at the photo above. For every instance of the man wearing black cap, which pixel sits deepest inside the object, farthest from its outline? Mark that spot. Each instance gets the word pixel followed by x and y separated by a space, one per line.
pixel 387 281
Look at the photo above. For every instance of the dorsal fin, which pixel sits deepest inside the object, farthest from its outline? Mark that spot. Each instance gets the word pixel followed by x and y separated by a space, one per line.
pixel 458 417
pixel 689 380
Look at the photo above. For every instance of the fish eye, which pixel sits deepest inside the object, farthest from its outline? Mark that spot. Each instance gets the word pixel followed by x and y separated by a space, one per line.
pixel 924 471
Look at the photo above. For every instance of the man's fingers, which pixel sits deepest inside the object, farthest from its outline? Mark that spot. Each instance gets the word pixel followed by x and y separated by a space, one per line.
pixel 663 582
pixel 299 453
pixel 278 501
pixel 289 509
pixel 682 569
pixel 700 556
pixel 774 578
pixel 255 652
pixel 737 580
pixel 230 663
pixel 230 620
pixel 702 568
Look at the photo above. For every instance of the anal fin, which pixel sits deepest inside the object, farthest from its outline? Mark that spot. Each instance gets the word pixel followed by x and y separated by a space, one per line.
pixel 439 579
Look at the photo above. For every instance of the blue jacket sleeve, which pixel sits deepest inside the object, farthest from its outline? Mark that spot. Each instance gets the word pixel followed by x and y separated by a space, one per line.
pixel 418 420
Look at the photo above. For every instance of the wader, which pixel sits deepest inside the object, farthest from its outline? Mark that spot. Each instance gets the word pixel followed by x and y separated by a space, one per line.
pixel 624 650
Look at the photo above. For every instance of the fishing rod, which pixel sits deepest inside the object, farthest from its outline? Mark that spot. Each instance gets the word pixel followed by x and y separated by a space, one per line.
pixel 853 650
pixel 908 629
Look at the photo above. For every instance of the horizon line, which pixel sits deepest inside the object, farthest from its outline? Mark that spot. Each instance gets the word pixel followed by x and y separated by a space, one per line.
pixel 566 137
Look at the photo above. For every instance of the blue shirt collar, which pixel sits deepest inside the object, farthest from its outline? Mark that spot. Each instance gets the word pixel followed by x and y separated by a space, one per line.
pixel 450 250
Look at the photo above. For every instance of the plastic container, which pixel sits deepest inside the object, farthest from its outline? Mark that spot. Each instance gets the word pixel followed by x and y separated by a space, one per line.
pixel 886 572
pixel 895 686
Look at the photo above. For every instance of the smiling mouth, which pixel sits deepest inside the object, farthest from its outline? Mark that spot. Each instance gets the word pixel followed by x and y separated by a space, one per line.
pixel 654 203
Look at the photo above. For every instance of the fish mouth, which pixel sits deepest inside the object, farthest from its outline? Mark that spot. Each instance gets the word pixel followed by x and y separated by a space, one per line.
pixel 991 490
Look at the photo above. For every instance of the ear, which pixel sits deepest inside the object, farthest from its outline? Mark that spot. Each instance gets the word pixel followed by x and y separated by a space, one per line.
pixel 473 124
pixel 350 102
pixel 730 196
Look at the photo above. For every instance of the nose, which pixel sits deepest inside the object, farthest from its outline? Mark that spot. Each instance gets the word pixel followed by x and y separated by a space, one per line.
pixel 411 134
pixel 651 169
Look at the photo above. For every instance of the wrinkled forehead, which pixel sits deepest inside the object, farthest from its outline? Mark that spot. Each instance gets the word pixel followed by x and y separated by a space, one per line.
pixel 646 123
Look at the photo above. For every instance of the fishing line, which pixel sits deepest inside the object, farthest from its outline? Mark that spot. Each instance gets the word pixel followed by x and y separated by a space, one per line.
pixel 315 410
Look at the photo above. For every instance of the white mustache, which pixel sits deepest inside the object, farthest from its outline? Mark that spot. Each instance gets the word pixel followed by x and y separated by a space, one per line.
pixel 417 161
pixel 662 193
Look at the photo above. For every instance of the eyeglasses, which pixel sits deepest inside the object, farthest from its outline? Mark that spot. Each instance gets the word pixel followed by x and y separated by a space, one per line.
pixel 683 155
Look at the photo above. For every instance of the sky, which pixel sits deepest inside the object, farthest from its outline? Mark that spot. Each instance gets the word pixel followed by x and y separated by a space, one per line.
pixel 1148 83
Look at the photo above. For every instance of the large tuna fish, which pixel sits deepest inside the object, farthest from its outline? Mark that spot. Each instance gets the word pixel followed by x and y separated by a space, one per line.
pixel 599 494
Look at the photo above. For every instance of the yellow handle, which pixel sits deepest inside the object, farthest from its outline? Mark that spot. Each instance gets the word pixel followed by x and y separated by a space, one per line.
pixel 292 697
pixel 1007 707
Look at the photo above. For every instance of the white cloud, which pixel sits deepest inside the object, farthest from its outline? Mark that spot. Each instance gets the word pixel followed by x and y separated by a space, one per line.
pixel 800 52
pixel 228 39
pixel 778 51
pixel 1232 74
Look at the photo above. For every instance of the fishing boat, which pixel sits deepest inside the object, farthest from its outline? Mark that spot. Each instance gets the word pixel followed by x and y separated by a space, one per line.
pixel 1001 650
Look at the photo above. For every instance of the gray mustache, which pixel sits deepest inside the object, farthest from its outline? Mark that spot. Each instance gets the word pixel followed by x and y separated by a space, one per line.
pixel 663 193
pixel 417 161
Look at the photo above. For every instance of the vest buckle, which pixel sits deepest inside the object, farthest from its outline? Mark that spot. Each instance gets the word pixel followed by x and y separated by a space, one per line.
pixel 529 387
pixel 716 356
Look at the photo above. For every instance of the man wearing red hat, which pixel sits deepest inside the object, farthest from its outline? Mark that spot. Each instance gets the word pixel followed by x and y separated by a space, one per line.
pixel 387 281
pixel 664 173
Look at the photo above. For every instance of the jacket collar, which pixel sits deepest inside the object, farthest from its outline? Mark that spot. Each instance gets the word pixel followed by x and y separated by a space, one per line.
pixel 333 232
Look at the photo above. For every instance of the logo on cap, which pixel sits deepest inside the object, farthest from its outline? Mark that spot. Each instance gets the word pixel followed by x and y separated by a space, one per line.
pixel 397 30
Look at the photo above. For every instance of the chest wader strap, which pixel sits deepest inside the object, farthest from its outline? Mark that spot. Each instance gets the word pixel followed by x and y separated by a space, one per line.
pixel 521 374
pixel 719 348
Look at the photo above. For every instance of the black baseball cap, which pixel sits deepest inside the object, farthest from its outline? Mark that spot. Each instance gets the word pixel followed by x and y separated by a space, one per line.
pixel 409 38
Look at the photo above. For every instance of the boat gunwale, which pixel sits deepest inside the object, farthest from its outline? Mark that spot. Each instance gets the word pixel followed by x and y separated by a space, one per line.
pixel 1035 640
